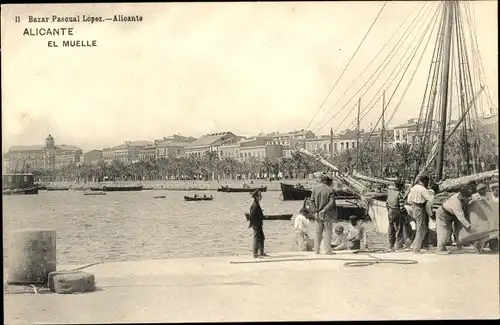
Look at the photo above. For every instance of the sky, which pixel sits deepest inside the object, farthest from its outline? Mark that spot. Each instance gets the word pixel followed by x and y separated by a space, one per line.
pixel 198 68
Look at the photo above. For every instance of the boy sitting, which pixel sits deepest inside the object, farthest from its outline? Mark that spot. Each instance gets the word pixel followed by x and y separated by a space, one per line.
pixel 339 241
pixel 355 234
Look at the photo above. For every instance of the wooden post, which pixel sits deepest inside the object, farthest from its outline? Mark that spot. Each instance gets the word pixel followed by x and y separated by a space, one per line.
pixel 31 256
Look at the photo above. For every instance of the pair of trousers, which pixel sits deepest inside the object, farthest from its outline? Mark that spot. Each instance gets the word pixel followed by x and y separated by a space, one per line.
pixel 396 229
pixel 354 244
pixel 444 228
pixel 300 241
pixel 422 227
pixel 258 240
pixel 325 225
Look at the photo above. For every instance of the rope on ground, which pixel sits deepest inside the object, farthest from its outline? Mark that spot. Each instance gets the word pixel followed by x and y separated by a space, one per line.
pixel 350 262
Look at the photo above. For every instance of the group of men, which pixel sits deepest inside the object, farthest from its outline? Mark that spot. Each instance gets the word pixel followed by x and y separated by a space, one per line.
pixel 322 209
pixel 450 218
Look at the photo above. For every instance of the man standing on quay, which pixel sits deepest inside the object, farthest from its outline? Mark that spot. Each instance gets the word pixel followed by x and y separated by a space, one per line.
pixel 418 198
pixel 325 210
pixel 396 211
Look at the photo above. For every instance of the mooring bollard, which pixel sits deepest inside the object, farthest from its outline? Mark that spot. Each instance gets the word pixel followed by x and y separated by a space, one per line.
pixel 31 256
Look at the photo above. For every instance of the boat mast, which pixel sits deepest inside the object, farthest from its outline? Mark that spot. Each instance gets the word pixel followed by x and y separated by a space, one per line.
pixel 382 130
pixel 357 137
pixel 331 145
pixel 444 87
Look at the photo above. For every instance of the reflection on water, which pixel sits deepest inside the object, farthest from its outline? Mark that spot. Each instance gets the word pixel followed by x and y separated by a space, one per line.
pixel 132 225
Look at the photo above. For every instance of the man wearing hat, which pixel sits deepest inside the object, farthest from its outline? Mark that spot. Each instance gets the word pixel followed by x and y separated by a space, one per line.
pixel 323 200
pixel 396 211
pixel 421 203
pixel 256 223
pixel 480 194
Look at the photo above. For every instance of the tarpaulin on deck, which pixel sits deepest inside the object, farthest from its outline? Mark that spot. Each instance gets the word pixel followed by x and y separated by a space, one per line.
pixel 484 217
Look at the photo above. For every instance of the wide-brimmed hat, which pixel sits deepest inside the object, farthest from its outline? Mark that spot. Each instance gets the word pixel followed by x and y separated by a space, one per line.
pixel 325 178
pixel 494 185
pixel 353 217
pixel 399 182
pixel 339 229
pixel 481 186
pixel 255 193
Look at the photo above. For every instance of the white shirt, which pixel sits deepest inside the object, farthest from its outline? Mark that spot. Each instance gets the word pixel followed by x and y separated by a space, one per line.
pixel 301 223
pixel 418 194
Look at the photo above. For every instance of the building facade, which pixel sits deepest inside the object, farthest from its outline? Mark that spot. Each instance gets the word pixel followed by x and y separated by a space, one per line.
pixel 209 143
pixel 126 153
pixel 41 157
pixel 93 157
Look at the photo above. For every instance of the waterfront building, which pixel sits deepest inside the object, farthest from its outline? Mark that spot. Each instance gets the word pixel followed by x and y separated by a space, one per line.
pixel 261 152
pixel 290 140
pixel 147 153
pixel 209 143
pixel 126 153
pixel 230 149
pixel 92 157
pixel 168 148
pixel 41 157
pixel 347 140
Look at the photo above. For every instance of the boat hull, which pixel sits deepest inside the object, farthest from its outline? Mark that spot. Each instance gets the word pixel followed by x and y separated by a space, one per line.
pixel 287 216
pixel 188 198
pixel 484 217
pixel 21 191
pixel 241 190
pixel 291 193
pixel 379 216
pixel 121 188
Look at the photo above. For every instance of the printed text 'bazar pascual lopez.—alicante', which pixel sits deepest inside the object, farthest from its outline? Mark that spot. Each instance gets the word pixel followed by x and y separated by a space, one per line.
pixel 69 31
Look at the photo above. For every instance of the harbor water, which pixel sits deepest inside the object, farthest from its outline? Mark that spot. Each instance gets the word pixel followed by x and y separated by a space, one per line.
pixel 125 226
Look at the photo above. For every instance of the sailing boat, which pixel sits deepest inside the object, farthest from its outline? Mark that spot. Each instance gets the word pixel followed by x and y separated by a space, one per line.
pixel 449 67
pixel 450 46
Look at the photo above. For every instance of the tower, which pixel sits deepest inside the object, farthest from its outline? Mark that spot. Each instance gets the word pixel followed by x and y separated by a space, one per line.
pixel 50 153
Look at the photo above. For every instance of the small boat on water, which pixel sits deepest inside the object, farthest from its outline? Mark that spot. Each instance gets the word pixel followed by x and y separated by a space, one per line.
pixel 227 189
pixel 94 193
pixel 19 184
pixel 287 216
pixel 41 186
pixel 57 188
pixel 117 188
pixel 148 188
pixel 198 198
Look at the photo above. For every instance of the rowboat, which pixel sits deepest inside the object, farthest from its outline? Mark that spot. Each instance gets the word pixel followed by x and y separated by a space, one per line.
pixel 95 193
pixel 117 188
pixel 228 189
pixel 207 198
pixel 287 216
pixel 57 188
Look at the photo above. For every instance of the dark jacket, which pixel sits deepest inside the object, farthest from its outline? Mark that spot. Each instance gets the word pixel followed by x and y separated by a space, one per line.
pixel 256 215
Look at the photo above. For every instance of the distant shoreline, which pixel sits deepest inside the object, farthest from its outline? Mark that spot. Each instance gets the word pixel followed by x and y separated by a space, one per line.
pixel 178 185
